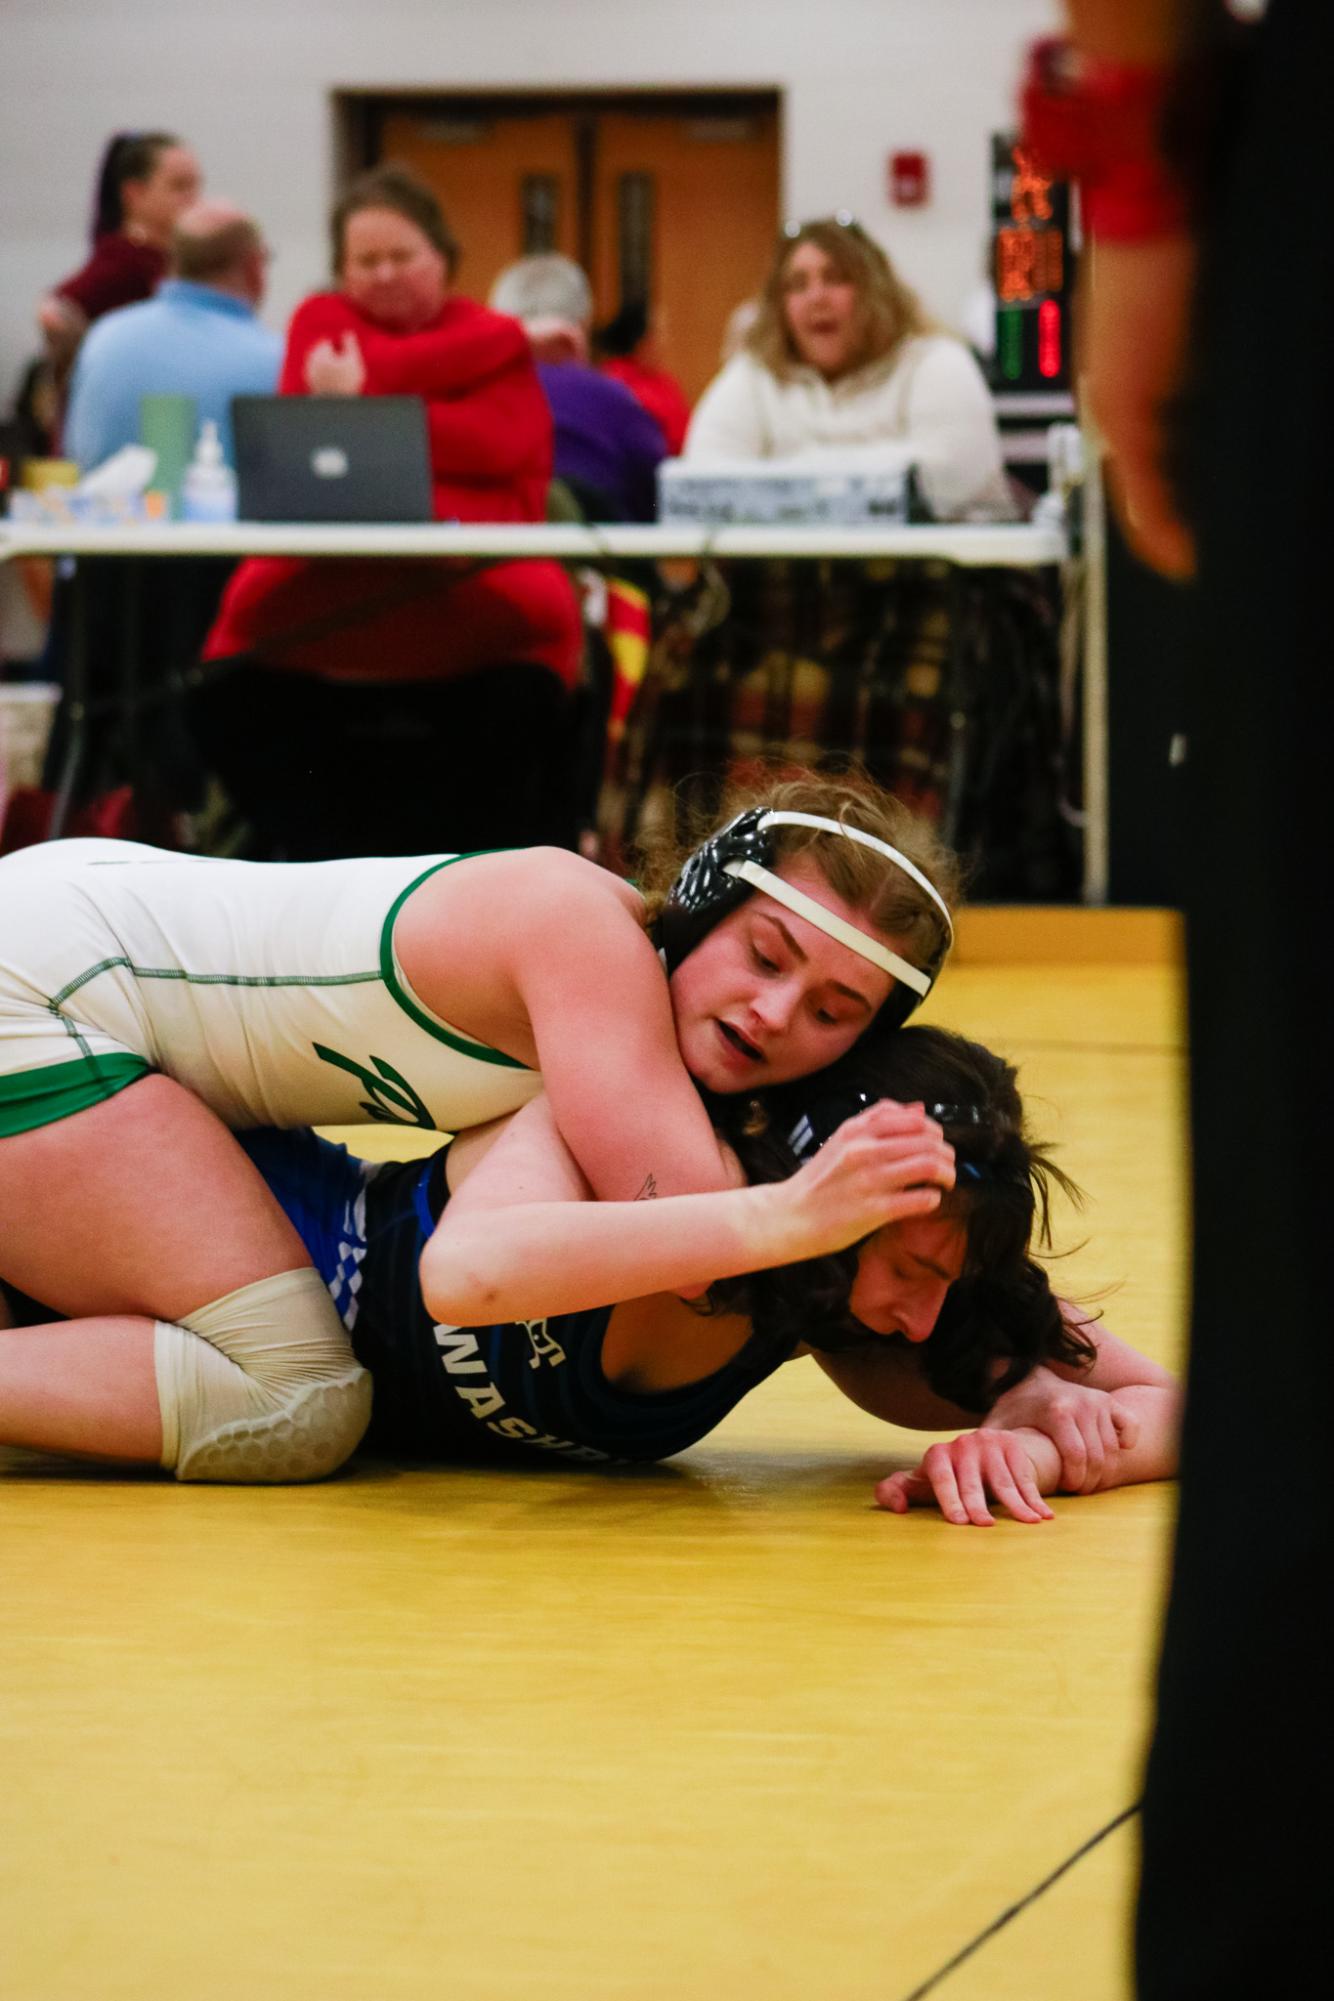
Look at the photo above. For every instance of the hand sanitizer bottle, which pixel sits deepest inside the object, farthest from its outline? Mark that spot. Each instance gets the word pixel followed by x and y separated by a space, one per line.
pixel 208 492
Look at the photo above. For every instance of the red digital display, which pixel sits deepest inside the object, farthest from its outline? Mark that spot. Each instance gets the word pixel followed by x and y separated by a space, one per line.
pixel 1029 263
pixel 1030 191
pixel 1049 340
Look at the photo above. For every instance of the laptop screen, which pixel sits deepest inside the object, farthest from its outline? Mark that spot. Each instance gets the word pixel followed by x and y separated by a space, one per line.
pixel 332 458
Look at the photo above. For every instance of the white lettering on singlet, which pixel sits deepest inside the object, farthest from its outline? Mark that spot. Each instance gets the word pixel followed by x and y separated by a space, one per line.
pixel 459 1351
pixel 461 1355
pixel 546 1348
pixel 484 1402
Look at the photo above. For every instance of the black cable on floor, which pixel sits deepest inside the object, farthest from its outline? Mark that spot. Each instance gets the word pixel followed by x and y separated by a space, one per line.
pixel 1038 1890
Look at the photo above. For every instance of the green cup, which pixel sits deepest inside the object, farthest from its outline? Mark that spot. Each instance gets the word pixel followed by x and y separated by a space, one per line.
pixel 167 425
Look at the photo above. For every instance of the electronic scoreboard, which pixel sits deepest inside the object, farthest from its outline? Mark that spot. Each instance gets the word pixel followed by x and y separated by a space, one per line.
pixel 1032 271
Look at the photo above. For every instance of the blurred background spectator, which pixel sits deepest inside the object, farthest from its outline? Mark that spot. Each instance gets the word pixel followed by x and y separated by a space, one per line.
pixel 977 314
pixel 842 358
pixel 626 350
pixel 144 182
pixel 372 707
pixel 29 430
pixel 739 323
pixel 32 428
pixel 200 337
pixel 608 447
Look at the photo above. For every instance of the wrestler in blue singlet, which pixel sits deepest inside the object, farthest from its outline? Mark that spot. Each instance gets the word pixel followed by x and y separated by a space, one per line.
pixel 455 1393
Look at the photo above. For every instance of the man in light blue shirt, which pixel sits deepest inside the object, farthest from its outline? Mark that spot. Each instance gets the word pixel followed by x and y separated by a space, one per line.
pixel 199 336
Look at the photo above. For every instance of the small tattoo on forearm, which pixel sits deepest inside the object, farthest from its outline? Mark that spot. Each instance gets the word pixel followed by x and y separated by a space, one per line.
pixel 648 1191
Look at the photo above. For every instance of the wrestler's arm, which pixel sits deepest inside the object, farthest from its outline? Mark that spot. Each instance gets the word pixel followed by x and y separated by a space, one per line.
pixel 598 1000
pixel 558 969
pixel 887 1381
pixel 1059 1430
pixel 517 1241
pixel 1017 1467
pixel 1092 1415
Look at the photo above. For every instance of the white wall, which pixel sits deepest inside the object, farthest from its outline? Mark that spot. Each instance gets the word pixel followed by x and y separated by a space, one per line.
pixel 248 82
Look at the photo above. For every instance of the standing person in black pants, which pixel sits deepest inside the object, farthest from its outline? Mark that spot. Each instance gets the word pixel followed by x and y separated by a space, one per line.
pixel 1202 138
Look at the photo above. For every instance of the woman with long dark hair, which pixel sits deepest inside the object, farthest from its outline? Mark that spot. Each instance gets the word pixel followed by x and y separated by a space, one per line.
pixel 145 181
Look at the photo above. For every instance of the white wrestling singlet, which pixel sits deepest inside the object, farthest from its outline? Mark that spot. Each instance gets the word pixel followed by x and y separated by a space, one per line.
pixel 269 989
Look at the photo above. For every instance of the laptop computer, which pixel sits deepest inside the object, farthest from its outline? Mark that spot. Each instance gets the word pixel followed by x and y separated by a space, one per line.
pixel 332 458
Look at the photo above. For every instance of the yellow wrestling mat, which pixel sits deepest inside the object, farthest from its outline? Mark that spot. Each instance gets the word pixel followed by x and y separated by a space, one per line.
pixel 715 1729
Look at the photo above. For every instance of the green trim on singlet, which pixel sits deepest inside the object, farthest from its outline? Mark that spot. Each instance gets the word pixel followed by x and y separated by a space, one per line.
pixel 31 1098
pixel 408 1001
pixel 57 1001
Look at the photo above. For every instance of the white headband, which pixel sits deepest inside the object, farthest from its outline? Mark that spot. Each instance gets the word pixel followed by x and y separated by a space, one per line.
pixel 867 841
pixel 824 920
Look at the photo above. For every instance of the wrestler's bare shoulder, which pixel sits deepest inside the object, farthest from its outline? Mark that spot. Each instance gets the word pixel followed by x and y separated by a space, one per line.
pixel 473 935
pixel 495 888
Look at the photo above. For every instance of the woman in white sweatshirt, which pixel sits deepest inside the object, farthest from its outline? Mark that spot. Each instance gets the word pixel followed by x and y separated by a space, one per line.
pixel 842 360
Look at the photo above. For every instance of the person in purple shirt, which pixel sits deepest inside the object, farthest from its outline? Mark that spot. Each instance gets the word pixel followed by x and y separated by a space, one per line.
pixel 608 447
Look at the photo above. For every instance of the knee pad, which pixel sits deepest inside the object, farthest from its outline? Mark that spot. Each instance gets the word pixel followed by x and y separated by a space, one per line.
pixel 261 1385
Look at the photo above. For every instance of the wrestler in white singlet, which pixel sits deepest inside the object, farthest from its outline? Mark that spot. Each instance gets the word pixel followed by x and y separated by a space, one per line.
pixel 270 990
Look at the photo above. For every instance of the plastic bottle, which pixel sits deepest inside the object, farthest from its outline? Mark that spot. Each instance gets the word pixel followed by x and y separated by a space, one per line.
pixel 208 491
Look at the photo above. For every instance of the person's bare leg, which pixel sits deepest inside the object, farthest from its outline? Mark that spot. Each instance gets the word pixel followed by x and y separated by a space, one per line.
pixel 140 1208
pixel 143 1204
pixel 82 1386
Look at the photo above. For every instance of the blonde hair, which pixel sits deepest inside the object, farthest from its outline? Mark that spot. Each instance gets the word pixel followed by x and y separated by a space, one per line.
pixel 889 310
pixel 886 896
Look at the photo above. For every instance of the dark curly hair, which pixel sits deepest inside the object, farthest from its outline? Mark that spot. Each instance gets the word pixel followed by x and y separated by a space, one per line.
pixel 1000 1318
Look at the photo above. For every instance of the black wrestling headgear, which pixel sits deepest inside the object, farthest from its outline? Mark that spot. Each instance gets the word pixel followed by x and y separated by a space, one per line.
pixel 719 876
pixel 829 1108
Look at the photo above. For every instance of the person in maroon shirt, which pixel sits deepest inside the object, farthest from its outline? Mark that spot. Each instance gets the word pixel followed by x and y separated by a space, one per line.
pixel 146 180
pixel 431 701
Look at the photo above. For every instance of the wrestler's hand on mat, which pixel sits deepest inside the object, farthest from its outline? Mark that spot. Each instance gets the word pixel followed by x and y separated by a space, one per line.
pixel 887 1164
pixel 961 1477
pixel 336 368
pixel 1088 1427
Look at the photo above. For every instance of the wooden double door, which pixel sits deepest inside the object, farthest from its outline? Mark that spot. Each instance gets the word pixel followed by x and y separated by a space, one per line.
pixel 672 202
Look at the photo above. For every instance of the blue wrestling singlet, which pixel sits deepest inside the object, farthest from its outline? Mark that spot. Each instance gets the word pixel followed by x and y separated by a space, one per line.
pixel 469 1392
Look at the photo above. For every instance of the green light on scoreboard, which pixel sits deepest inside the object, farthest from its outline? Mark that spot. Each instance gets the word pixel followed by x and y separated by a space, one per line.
pixel 1010 343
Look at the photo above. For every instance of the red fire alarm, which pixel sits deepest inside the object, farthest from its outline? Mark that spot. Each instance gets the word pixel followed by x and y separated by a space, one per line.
pixel 909 179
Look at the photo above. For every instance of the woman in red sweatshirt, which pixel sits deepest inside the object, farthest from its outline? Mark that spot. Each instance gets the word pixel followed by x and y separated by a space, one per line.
pixel 387 707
